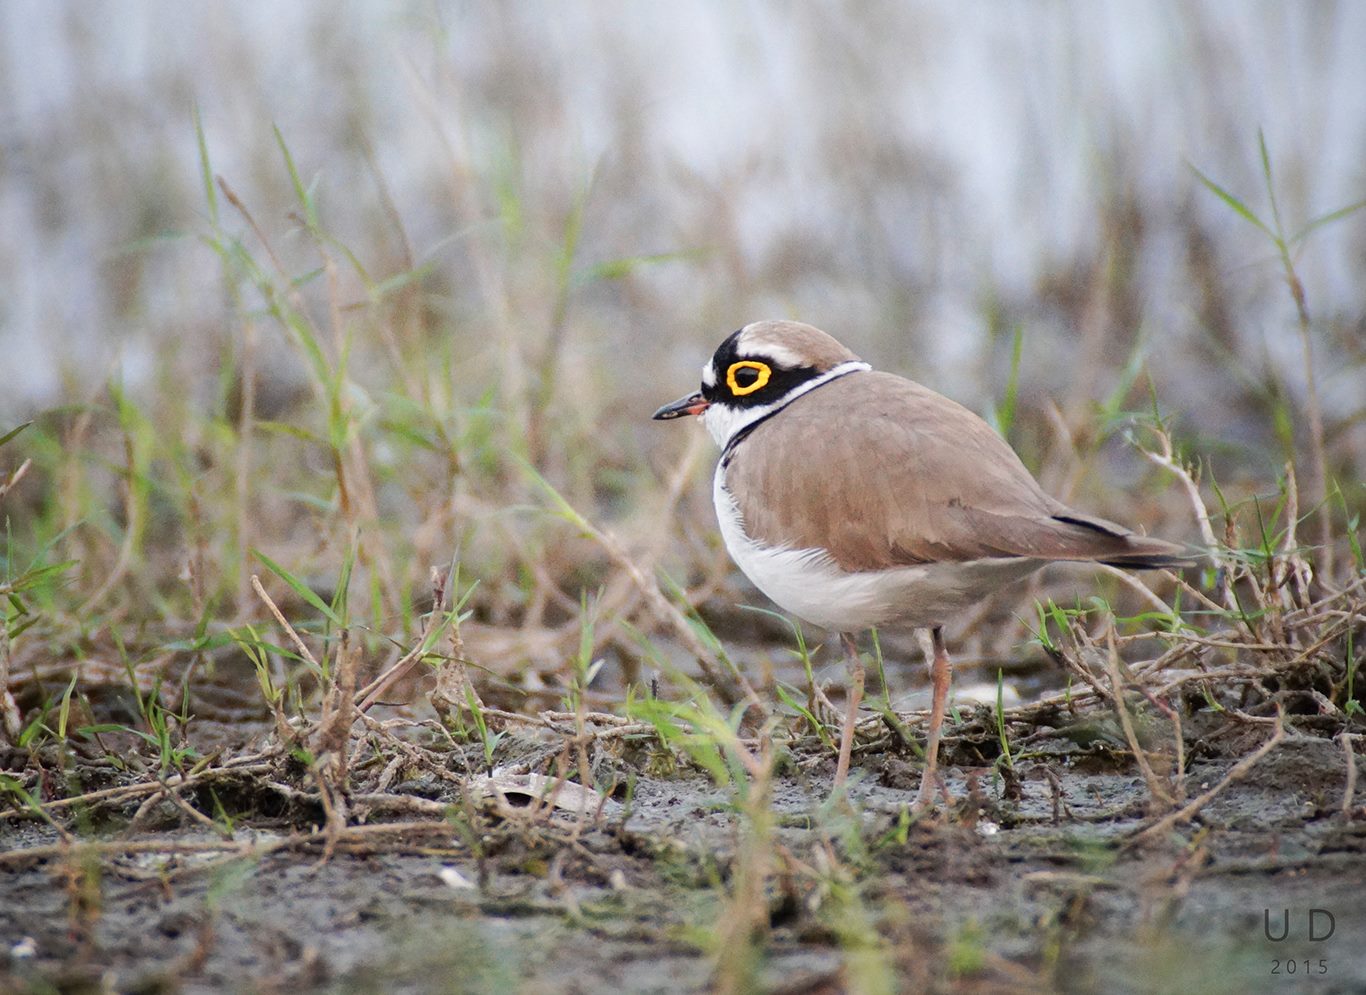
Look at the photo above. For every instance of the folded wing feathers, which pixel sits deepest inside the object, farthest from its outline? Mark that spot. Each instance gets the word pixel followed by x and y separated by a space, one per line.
pixel 950 489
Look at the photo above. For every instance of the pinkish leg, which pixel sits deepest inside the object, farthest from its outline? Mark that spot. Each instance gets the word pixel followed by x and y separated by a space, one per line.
pixel 940 676
pixel 855 663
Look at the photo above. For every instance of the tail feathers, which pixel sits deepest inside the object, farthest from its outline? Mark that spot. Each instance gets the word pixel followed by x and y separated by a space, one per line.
pixel 1134 552
pixel 1152 561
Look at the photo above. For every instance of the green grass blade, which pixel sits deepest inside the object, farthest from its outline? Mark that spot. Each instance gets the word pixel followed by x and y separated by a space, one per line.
pixel 1241 209
pixel 13 432
pixel 1314 225
pixel 35 576
pixel 561 506
pixel 341 598
pixel 1005 411
pixel 301 192
pixel 206 170
pixel 299 588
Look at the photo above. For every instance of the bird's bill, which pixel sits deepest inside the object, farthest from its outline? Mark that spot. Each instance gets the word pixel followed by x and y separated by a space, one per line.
pixel 693 404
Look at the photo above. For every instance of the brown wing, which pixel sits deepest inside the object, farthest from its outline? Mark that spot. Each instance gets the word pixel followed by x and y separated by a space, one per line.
pixel 908 476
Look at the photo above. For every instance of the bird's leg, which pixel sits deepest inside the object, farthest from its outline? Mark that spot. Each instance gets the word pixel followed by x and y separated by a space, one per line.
pixel 855 664
pixel 940 675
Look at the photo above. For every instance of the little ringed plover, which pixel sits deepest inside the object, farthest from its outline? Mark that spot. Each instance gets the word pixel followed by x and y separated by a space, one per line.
pixel 855 498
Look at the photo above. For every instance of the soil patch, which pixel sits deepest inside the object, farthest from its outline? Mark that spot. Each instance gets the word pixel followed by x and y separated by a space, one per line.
pixel 1033 881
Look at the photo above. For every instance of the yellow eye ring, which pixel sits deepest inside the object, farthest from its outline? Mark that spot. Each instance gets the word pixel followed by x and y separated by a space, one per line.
pixel 762 374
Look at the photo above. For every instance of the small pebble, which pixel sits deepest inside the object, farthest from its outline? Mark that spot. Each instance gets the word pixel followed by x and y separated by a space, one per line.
pixel 24 949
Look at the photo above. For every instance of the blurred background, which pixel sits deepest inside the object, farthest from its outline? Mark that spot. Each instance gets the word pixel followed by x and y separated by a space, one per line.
pixel 454 243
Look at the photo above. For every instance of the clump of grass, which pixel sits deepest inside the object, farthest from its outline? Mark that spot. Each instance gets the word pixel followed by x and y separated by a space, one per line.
pixel 1285 244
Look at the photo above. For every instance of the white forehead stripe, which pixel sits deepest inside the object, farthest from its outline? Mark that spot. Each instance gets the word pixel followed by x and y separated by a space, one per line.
pixel 708 376
pixel 780 354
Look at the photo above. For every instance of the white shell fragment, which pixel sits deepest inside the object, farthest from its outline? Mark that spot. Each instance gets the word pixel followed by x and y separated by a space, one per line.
pixel 452 878
pixel 523 790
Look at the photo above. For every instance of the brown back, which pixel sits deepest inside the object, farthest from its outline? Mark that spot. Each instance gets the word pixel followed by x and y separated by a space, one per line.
pixel 907 476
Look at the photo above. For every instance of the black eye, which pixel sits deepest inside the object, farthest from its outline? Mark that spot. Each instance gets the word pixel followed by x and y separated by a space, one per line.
pixel 746 375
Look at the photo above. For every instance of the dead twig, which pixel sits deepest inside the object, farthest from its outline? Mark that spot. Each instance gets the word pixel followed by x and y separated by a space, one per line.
pixel 1295 562
pixel 135 512
pixel 172 795
pixel 372 802
pixel 1168 461
pixel 1237 773
pixel 333 732
pixel 11 721
pixel 15 477
pixel 1136 585
pixel 284 623
pixel 418 757
pixel 125 793
pixel 1156 787
pixel 373 691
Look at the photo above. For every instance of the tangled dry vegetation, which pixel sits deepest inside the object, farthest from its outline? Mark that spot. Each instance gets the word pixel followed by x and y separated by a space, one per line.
pixel 221 615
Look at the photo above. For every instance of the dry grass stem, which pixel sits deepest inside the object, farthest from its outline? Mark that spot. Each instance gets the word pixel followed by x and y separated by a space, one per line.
pixel 245 766
pixel 1291 554
pixel 299 644
pixel 132 531
pixel 11 721
pixel 1166 458
pixel 1141 589
pixel 242 477
pixel 13 479
pixel 375 690
pixel 1159 790
pixel 1318 449
pixel 1239 771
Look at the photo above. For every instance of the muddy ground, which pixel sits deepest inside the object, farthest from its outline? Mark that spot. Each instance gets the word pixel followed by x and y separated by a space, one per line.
pixel 1028 883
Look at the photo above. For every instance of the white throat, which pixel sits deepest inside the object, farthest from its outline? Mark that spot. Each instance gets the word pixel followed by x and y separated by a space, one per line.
pixel 723 421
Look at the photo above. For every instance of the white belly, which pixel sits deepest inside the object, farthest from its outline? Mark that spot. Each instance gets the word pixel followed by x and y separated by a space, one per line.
pixel 807 582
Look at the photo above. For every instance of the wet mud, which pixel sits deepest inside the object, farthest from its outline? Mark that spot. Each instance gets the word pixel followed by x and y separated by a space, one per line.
pixel 1031 880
